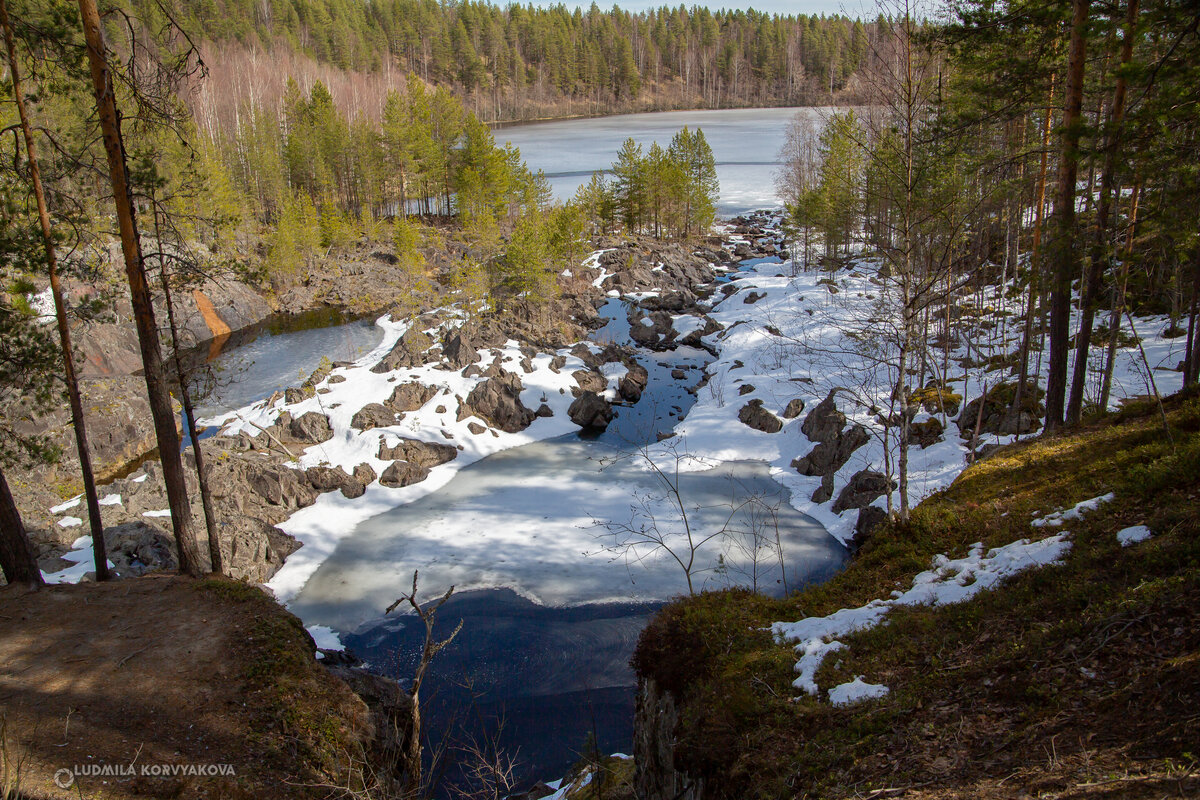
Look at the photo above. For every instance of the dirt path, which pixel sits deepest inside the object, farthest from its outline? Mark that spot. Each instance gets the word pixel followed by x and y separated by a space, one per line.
pixel 150 675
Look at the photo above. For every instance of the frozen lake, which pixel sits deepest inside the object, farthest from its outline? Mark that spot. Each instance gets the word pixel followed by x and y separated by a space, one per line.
pixel 745 143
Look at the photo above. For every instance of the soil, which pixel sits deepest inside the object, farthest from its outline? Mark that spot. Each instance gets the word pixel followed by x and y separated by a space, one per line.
pixel 141 673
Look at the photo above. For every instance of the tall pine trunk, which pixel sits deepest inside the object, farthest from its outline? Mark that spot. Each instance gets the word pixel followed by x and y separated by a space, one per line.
pixel 16 554
pixel 1066 256
pixel 189 415
pixel 1095 272
pixel 1035 259
pixel 1191 364
pixel 1114 327
pixel 139 292
pixel 95 521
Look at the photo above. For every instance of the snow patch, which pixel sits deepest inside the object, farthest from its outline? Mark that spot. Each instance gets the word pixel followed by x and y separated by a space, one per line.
pixel 1077 511
pixel 856 691
pixel 82 562
pixel 948 581
pixel 61 507
pixel 1131 536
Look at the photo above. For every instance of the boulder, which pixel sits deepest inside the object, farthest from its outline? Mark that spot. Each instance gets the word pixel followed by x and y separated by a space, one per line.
pixel 403 473
pixel 755 416
pixel 863 488
pixel 409 351
pixel 634 383
pixel 459 349
pixel 794 408
pixel 362 477
pixel 869 518
pixel 498 401
pixel 824 423
pixel 673 300
pixel 652 330
pixel 373 415
pixel 590 411
pixel 327 479
pixel 824 492
pixel 410 396
pixel 926 433
pixel 590 380
pixel 293 394
pixel 998 416
pixel 830 456
pixel 281 486
pixel 312 427
pixel 136 548
pixel 414 451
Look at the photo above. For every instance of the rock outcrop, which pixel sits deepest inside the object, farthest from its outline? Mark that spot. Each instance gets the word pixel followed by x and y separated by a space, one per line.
pixel 498 401
pixel 423 454
pixel 755 416
pixel 403 473
pixel 311 428
pixel 656 720
pixel 824 423
pixel 998 415
pixel 832 454
pixel 410 397
pixel 409 351
pixel 373 415
pixel 863 488
pixel 590 411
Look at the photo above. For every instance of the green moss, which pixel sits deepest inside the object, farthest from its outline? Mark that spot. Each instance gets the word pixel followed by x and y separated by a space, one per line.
pixel 1018 657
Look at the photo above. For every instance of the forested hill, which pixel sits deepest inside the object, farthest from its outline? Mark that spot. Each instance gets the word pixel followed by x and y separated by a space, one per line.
pixel 522 62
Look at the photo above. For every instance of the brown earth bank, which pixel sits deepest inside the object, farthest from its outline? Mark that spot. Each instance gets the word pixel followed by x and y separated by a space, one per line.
pixel 171 687
pixel 251 481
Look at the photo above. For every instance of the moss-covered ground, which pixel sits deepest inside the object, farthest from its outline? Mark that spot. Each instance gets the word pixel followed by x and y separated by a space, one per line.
pixel 1081 680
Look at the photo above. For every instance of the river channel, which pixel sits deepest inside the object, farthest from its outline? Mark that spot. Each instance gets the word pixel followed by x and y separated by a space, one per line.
pixel 551 603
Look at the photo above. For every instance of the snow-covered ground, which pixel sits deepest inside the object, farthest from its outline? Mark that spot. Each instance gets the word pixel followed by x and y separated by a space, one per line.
pixel 795 341
pixel 322 525
pixel 812 331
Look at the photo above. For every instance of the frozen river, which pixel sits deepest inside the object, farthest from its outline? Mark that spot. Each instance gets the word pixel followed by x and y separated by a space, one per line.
pixel 552 605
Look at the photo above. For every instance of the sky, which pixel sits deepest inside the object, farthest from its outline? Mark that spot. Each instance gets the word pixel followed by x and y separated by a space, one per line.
pixel 850 8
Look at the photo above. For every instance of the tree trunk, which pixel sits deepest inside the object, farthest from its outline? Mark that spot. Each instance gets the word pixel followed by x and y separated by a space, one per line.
pixel 1192 359
pixel 95 521
pixel 1066 255
pixel 1095 272
pixel 1119 303
pixel 139 292
pixel 189 417
pixel 16 554
pixel 1035 259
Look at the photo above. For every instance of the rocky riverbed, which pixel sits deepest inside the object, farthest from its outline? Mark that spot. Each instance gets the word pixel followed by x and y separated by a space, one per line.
pixel 256 479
